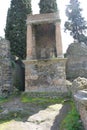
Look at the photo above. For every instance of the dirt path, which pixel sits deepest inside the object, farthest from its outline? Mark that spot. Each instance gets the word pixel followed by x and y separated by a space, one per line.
pixel 37 118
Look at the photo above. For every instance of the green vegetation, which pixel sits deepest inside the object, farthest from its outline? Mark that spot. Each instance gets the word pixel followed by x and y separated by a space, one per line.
pixel 15 30
pixel 72 120
pixel 16 115
pixel 36 102
pixel 7 99
pixel 2 100
pixel 75 24
pixel 48 6
pixel 41 101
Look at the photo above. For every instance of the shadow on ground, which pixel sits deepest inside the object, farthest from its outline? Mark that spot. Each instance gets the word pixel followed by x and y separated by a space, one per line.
pixel 63 112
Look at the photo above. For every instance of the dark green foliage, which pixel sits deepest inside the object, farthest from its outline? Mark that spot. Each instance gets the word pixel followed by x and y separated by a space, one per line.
pixel 15 30
pixel 48 6
pixel 75 24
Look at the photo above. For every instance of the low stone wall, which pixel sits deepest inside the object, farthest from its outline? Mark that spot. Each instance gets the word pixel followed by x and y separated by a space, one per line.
pixel 45 75
pixel 5 68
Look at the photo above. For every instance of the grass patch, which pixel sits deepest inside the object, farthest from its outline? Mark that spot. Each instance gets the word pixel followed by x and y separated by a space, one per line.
pixel 2 100
pixel 7 99
pixel 72 120
pixel 43 101
pixel 40 100
pixel 17 116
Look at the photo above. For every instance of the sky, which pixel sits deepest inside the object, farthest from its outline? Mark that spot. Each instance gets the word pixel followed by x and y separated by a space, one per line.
pixel 66 39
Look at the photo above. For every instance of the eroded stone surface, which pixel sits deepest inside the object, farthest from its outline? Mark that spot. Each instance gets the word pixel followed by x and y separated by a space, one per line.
pixel 5 68
pixel 79 84
pixel 79 89
pixel 77 61
pixel 45 75
pixel 81 97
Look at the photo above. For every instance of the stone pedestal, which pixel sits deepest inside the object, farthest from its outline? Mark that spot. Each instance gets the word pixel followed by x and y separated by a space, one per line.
pixel 45 75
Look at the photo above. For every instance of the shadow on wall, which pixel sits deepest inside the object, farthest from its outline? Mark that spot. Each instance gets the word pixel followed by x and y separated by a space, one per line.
pixel 18 74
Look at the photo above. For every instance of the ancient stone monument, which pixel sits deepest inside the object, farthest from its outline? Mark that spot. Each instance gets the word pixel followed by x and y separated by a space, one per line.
pixel 44 64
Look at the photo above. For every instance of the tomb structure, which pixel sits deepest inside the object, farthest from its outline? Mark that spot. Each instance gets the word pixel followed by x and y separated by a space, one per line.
pixel 44 64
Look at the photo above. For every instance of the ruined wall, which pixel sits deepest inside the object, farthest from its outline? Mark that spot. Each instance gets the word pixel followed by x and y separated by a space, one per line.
pixel 76 66
pixel 5 68
pixel 77 61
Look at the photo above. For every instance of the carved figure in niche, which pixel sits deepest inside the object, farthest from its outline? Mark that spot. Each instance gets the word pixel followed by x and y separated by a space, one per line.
pixel 43 53
pixel 47 53
pixel 52 53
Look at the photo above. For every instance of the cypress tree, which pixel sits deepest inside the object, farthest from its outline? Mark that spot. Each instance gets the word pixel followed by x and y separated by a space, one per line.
pixel 75 24
pixel 48 6
pixel 15 30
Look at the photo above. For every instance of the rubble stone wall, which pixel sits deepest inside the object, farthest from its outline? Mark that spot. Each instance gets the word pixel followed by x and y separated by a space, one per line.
pixel 76 66
pixel 5 68
pixel 45 75
pixel 77 61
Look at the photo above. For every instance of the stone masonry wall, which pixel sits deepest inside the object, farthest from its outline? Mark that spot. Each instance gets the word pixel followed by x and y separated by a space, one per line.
pixel 5 68
pixel 45 75
pixel 77 61
pixel 76 66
